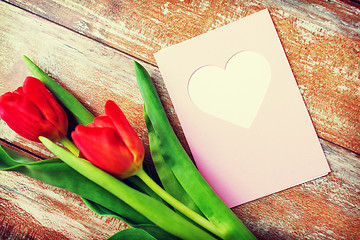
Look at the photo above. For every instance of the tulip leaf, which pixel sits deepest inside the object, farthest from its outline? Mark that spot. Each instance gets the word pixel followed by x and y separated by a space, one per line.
pixel 133 234
pixel 10 158
pixel 152 229
pixel 82 115
pixel 167 178
pixel 138 184
pixel 142 232
pixel 182 166
pixel 103 211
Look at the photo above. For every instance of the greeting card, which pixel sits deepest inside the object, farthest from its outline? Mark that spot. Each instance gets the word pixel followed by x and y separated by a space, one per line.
pixel 241 111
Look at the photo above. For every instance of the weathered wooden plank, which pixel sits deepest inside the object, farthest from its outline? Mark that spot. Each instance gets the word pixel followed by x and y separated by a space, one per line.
pixel 321 39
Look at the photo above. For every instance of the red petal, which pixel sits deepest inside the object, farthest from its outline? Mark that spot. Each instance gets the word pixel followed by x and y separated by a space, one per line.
pixel 102 121
pixel 104 148
pixel 35 90
pixel 23 116
pixel 124 129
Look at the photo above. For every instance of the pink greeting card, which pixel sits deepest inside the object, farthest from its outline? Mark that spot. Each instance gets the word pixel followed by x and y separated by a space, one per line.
pixel 241 110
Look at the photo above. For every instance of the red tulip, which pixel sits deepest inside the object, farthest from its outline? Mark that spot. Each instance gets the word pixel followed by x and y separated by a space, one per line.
pixel 32 111
pixel 110 143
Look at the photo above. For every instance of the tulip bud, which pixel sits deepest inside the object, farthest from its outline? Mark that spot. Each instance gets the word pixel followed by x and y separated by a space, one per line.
pixel 110 143
pixel 32 111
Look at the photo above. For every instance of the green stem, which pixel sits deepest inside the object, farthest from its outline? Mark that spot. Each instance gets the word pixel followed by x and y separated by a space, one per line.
pixel 176 204
pixel 70 145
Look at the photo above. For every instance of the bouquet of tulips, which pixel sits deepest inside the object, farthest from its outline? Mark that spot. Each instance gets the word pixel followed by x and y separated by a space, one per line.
pixel 102 161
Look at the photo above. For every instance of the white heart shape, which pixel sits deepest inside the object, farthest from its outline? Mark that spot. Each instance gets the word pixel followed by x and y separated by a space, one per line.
pixel 235 93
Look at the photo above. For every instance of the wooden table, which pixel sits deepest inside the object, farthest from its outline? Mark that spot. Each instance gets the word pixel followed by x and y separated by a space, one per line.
pixel 88 47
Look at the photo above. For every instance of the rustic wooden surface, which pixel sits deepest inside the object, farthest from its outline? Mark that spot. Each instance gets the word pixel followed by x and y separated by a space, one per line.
pixel 88 47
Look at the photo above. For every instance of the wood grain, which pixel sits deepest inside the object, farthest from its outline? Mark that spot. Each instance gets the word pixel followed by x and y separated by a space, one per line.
pixel 321 40
pixel 327 208
pixel 30 209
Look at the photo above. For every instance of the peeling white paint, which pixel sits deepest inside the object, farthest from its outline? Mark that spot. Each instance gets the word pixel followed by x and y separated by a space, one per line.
pixel 302 88
pixel 165 9
pixel 6 132
pixel 343 88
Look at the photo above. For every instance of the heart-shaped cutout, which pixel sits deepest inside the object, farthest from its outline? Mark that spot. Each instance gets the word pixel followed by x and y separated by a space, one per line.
pixel 235 93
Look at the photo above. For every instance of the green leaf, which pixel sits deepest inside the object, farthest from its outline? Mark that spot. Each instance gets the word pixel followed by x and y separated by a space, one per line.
pixel 182 166
pixel 103 211
pixel 167 178
pixel 132 234
pixel 154 231
pixel 136 183
pixel 82 115
pixel 141 232
pixel 154 210
pixel 10 158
